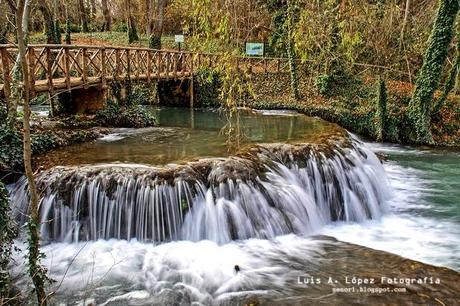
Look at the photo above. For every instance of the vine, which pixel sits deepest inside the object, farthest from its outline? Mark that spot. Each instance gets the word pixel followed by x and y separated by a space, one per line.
pixel 7 234
pixel 381 115
pixel 419 110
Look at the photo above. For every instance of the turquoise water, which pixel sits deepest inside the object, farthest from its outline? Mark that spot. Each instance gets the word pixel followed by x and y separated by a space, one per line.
pixel 423 218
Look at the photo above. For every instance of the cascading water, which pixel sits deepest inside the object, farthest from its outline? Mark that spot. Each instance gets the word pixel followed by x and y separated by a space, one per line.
pixel 270 191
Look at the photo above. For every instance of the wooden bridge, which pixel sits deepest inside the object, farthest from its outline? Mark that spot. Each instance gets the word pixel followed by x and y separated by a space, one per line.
pixel 57 68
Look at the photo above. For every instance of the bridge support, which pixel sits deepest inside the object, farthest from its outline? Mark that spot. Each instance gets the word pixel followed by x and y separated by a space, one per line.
pixel 176 93
pixel 82 101
pixel 89 101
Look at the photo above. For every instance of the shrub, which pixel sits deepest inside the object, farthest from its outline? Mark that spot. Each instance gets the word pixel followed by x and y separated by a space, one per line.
pixel 127 116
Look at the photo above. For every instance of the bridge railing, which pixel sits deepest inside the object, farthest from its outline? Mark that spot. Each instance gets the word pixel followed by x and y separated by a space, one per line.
pixel 64 67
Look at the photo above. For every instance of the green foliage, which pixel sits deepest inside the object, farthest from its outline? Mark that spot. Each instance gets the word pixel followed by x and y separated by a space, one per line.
pixel 11 155
pixel 3 112
pixel 324 84
pixel 34 257
pixel 120 26
pixel 11 147
pixel 140 94
pixel 207 87
pixel 155 42
pixel 7 234
pixel 115 115
pixel 430 73
pixel 68 30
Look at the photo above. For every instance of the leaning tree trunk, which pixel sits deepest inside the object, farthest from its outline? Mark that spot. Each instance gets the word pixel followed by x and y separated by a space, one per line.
pixel 107 18
pixel 157 26
pixel 83 16
pixel 35 270
pixel 430 73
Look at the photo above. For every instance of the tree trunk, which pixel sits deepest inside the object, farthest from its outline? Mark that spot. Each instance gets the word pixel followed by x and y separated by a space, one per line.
pixel 157 26
pixel 132 30
pixel 430 73
pixel 450 82
pixel 83 16
pixel 48 22
pixel 107 18
pixel 93 10
pixel 35 270
pixel 291 53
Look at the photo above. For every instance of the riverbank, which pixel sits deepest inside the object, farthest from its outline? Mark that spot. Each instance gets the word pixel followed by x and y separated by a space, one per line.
pixel 351 103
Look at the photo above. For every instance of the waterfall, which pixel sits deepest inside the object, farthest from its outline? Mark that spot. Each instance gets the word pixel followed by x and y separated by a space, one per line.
pixel 271 190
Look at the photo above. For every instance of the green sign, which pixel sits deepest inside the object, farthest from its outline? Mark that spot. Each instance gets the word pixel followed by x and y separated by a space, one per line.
pixel 256 49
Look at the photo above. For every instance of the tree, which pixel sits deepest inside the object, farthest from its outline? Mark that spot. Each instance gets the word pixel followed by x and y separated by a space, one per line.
pixel 155 27
pixel 419 110
pixel 83 16
pixel 37 273
pixel 107 25
pixel 51 25
pixel 284 17
pixel 131 23
pixel 451 79
pixel 291 51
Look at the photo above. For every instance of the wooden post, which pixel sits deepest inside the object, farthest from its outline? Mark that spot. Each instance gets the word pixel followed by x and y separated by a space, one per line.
pixel 67 67
pixel 104 74
pixel 128 65
pixel 6 75
pixel 138 60
pixel 149 65
pixel 159 62
pixel 49 74
pixel 84 68
pixel 117 63
pixel 176 59
pixel 168 55
pixel 103 69
pixel 31 60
